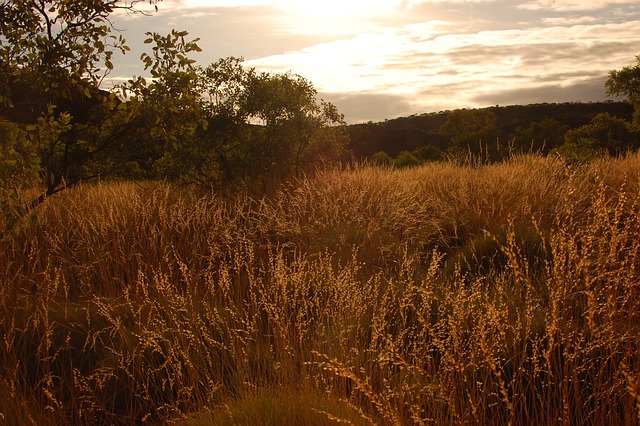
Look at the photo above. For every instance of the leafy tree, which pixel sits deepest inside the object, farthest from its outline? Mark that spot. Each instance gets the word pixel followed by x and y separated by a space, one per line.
pixel 625 82
pixel 541 136
pixel 55 52
pixel 604 135
pixel 55 55
pixel 381 158
pixel 406 159
pixel 297 130
pixel 261 126
pixel 169 109
pixel 470 128
pixel 428 153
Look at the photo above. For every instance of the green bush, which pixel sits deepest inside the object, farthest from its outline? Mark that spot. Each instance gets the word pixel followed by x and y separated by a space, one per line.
pixel 406 159
pixel 18 172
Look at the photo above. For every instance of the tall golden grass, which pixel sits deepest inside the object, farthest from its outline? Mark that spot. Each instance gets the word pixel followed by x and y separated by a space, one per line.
pixel 445 294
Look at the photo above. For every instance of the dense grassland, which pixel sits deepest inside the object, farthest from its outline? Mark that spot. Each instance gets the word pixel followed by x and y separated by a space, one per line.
pixel 445 294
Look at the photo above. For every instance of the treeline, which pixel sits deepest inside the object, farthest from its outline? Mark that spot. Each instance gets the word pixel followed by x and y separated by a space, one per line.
pixel 578 131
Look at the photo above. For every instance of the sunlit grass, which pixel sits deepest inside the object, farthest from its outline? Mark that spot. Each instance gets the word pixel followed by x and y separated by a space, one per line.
pixel 444 294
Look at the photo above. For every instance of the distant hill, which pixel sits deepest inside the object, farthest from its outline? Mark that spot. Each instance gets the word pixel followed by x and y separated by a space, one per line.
pixel 410 133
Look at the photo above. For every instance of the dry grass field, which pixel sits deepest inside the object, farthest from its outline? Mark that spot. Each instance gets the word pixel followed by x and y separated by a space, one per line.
pixel 444 294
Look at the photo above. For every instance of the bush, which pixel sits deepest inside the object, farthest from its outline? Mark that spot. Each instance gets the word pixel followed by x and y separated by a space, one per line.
pixel 19 169
pixel 406 159
pixel 604 135
pixel 381 158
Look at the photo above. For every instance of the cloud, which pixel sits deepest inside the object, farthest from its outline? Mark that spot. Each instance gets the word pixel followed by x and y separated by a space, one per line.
pixel 413 3
pixel 573 5
pixel 435 67
pixel 215 3
pixel 588 90
pixel 569 21
pixel 363 107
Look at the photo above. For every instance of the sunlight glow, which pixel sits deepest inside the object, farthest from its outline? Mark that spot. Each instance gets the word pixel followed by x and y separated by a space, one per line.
pixel 339 8
pixel 318 16
pixel 335 16
pixel 223 3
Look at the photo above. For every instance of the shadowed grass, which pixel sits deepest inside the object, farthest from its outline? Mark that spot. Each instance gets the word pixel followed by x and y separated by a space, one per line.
pixel 279 407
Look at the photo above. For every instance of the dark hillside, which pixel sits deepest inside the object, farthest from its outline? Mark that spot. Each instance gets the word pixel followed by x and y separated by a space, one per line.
pixel 410 133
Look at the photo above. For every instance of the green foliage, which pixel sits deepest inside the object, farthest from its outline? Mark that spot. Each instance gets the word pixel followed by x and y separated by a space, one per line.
pixel 18 157
pixel 625 82
pixel 429 153
pixel 406 159
pixel 55 54
pixel 381 158
pixel 169 107
pixel 19 171
pixel 55 51
pixel 247 125
pixel 604 135
pixel 469 128
pixel 295 124
pixel 540 136
pixel 260 126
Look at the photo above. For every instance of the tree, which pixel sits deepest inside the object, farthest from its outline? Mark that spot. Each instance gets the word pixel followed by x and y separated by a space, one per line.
pixel 56 52
pixel 169 109
pixel 382 159
pixel 470 128
pixel 297 130
pixel 625 82
pixel 223 151
pixel 604 135
pixel 405 160
pixel 428 153
pixel 54 56
pixel 541 136
pixel 261 127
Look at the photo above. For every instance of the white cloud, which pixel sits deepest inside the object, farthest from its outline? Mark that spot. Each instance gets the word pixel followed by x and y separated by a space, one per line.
pixel 564 21
pixel 573 5
pixel 221 3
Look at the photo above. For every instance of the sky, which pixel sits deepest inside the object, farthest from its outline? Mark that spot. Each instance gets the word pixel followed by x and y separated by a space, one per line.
pixel 382 59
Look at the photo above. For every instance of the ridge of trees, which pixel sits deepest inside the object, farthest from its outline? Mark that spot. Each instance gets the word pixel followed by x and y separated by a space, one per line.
pixel 535 127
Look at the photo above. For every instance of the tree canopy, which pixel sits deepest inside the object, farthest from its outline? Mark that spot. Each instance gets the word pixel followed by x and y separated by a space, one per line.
pixel 625 83
pixel 261 126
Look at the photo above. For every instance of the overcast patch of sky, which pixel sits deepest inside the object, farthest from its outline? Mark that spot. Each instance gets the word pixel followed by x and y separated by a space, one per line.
pixel 381 59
